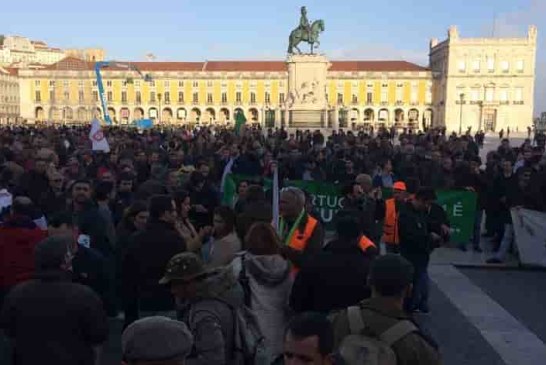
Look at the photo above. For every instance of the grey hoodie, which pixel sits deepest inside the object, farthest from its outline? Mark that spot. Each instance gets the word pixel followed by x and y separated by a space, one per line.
pixel 270 286
pixel 209 317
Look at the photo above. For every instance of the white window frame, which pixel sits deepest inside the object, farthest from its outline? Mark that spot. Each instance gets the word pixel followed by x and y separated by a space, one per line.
pixel 489 94
pixel 384 95
pixel 520 65
pixel 475 94
pixel 414 93
pixel 490 64
pixel 428 93
pixel 461 65
pixel 518 94
pixel 503 94
pixel 476 64
pixel 399 94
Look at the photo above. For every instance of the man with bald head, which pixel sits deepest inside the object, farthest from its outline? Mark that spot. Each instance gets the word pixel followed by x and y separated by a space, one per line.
pixel 301 234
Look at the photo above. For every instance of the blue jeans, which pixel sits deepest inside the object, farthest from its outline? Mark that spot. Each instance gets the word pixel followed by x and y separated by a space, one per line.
pixel 477 228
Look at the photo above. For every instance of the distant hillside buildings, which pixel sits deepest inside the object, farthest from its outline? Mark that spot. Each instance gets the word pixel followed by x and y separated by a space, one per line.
pixel 22 52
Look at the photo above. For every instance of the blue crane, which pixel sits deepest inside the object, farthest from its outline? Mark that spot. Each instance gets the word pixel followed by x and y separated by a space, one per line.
pixel 100 85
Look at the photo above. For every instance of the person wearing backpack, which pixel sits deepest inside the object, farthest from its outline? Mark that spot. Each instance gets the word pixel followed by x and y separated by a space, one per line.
pixel 204 300
pixel 211 303
pixel 265 277
pixel 378 331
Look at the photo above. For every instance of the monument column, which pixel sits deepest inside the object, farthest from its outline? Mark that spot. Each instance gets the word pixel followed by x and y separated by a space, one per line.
pixel 307 75
pixel 335 124
pixel 286 118
pixel 277 117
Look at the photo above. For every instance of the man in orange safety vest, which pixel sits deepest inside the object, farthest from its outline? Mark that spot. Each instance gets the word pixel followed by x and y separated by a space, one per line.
pixel 391 236
pixel 301 234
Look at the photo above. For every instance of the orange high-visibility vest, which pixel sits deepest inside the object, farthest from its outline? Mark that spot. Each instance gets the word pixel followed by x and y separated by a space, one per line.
pixel 365 243
pixel 299 240
pixel 390 226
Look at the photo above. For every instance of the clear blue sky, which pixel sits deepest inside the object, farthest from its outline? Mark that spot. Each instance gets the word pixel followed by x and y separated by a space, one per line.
pixel 236 29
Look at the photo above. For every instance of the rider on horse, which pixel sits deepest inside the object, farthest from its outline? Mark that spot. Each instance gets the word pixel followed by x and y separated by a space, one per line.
pixel 305 25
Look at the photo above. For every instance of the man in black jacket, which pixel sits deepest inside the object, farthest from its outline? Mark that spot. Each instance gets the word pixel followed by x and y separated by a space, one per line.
pixel 49 319
pixel 90 222
pixel 88 265
pixel 146 258
pixel 416 244
pixel 336 277
pixel 35 182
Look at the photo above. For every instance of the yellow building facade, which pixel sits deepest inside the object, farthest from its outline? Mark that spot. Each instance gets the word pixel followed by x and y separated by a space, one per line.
pixel 471 83
pixel 358 92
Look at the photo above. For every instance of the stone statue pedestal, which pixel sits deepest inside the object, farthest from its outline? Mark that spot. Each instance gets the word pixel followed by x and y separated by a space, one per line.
pixel 306 102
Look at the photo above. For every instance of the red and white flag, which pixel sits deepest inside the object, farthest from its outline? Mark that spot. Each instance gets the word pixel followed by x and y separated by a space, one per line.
pixel 97 137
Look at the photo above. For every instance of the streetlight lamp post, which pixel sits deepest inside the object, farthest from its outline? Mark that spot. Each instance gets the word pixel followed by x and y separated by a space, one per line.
pixel 159 111
pixel 461 101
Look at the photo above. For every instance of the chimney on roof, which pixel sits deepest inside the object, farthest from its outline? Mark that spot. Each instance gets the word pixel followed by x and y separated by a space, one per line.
pixel 433 43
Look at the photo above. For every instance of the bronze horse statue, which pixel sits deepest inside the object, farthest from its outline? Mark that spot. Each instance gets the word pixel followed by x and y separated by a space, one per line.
pixel 299 35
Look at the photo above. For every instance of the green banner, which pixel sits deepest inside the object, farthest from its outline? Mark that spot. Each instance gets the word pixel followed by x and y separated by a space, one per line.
pixel 459 205
pixel 327 198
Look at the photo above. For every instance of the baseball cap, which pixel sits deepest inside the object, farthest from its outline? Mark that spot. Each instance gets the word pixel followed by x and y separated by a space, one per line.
pixel 156 338
pixel 399 185
pixel 184 266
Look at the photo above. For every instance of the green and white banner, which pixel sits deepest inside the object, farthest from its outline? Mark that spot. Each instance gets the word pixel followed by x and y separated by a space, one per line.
pixel 460 206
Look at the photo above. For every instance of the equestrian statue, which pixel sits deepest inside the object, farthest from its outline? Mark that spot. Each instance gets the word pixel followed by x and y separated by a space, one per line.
pixel 306 32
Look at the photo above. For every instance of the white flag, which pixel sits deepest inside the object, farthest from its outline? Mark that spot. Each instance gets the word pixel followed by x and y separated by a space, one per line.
pixel 97 137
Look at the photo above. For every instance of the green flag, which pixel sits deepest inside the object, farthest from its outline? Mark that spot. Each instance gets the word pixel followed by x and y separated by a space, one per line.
pixel 230 190
pixel 240 119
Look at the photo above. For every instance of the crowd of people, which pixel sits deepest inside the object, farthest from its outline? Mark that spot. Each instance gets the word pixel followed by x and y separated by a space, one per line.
pixel 140 233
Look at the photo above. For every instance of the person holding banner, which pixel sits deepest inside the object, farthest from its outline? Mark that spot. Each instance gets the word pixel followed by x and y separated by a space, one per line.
pixel 416 244
pixel 301 234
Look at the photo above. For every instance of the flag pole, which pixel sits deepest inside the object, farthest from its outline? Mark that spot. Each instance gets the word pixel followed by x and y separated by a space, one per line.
pixel 275 203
